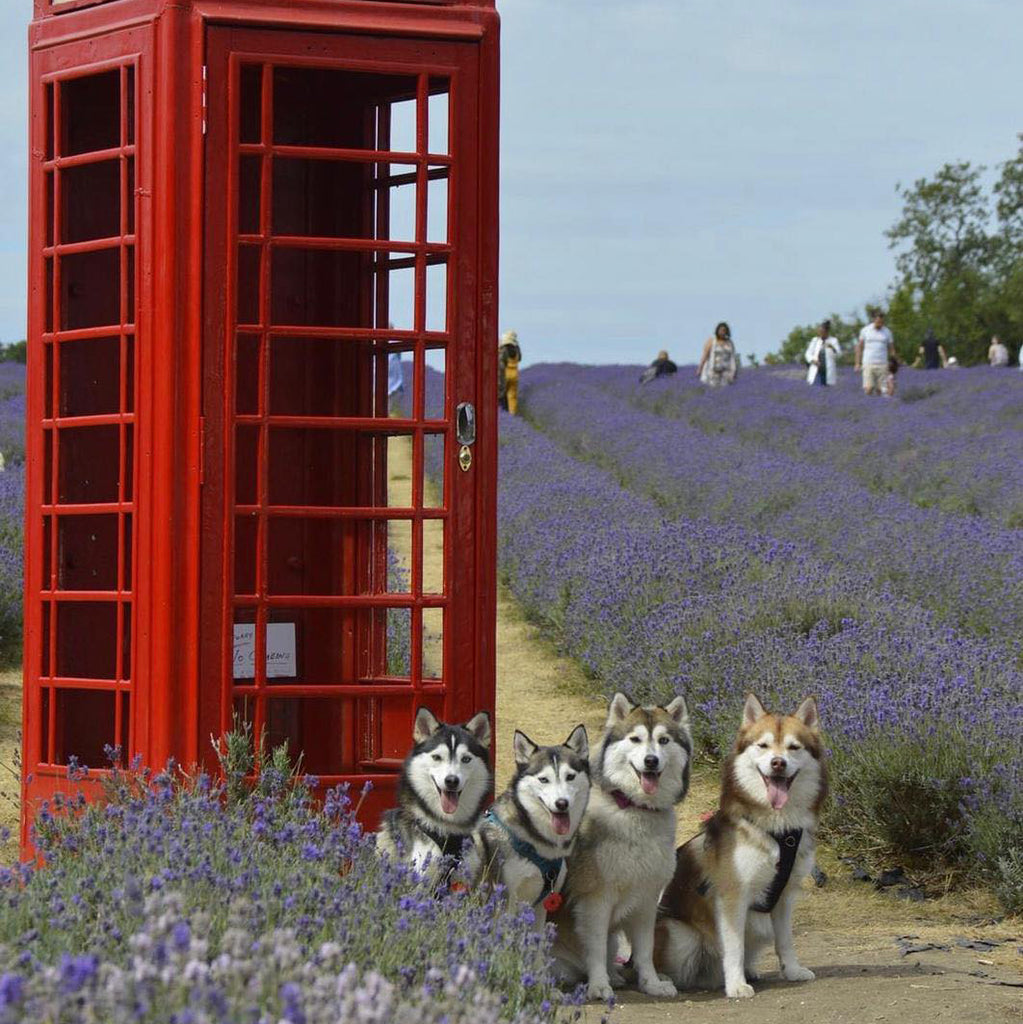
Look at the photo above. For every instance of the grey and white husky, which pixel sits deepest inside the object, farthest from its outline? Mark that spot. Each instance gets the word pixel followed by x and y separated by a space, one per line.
pixel 625 853
pixel 525 837
pixel 445 784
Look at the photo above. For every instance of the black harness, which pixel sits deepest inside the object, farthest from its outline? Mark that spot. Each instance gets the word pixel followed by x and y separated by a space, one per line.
pixel 788 847
pixel 451 846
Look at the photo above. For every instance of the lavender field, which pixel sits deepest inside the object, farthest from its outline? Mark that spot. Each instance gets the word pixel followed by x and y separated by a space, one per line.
pixel 675 540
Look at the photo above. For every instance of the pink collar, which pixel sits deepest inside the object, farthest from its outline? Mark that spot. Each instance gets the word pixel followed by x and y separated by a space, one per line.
pixel 623 801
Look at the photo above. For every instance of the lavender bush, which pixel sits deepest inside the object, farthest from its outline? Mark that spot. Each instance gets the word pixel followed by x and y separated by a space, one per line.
pixel 924 722
pixel 189 901
pixel 967 570
pixel 951 441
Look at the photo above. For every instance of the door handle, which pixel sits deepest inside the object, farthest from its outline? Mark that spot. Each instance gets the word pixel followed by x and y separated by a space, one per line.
pixel 465 432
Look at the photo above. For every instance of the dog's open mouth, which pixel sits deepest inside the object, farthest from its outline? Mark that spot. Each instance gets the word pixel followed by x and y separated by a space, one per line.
pixel 649 781
pixel 448 800
pixel 777 789
pixel 560 822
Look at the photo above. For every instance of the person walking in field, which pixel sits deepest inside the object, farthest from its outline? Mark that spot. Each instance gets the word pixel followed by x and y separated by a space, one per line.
pixel 997 353
pixel 931 353
pixel 718 365
pixel 662 366
pixel 508 357
pixel 874 348
pixel 822 356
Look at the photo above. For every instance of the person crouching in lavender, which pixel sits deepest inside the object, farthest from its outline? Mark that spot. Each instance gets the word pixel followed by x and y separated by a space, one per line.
pixel 662 366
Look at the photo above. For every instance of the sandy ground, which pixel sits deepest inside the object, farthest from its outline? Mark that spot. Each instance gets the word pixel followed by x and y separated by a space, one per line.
pixel 846 931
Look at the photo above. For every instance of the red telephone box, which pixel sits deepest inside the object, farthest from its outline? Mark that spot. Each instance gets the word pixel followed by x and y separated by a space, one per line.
pixel 240 209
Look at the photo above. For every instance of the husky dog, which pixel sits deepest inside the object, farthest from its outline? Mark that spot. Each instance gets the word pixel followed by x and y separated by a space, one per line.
pixel 736 882
pixel 445 782
pixel 624 855
pixel 526 836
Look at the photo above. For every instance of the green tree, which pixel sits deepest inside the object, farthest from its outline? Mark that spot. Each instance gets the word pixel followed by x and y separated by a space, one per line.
pixel 14 352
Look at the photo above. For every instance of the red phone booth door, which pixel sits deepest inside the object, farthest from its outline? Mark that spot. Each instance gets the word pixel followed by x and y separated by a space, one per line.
pixel 341 231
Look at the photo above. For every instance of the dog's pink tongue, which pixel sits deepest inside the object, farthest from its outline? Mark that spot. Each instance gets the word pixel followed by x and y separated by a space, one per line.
pixel 778 792
pixel 448 802
pixel 649 781
pixel 561 823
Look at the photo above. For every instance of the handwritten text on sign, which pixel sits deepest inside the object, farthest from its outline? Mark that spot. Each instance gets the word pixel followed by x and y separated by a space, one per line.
pixel 280 650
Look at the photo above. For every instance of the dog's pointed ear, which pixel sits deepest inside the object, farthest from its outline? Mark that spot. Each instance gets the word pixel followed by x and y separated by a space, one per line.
pixel 808 714
pixel 523 747
pixel 753 709
pixel 479 726
pixel 425 726
pixel 579 742
pixel 679 711
pixel 619 709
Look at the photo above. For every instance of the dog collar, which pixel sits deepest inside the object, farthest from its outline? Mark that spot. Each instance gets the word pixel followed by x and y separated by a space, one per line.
pixel 623 801
pixel 549 869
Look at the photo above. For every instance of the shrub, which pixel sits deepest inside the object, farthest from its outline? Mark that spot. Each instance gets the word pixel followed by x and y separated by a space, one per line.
pixel 178 898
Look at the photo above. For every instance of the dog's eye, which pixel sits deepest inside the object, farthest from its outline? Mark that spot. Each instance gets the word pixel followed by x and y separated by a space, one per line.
pixel 663 740
pixel 466 759
pixel 543 779
pixel 570 777
pixel 794 746
pixel 763 746
pixel 437 757
pixel 635 739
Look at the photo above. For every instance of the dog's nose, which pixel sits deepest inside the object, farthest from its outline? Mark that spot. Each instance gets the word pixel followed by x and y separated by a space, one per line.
pixel 652 762
pixel 778 765
pixel 451 782
pixel 561 805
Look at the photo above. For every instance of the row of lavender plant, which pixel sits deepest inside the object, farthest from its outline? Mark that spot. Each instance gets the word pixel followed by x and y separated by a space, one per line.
pixel 951 441
pixel 182 900
pixel 924 722
pixel 12 506
pixel 969 571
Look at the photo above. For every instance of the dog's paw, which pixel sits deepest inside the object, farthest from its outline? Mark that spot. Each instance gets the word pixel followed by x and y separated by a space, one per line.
pixel 798 973
pixel 657 986
pixel 740 991
pixel 599 992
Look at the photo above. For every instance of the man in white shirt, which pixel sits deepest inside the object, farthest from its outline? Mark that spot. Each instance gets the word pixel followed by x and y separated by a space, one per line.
pixel 873 350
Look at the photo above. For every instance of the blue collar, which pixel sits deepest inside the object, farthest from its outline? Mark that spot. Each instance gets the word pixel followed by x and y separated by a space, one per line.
pixel 549 869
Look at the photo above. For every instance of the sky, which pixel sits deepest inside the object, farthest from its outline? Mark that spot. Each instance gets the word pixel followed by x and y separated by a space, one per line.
pixel 667 164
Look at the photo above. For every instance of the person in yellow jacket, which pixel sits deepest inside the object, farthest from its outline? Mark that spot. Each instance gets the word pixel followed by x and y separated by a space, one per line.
pixel 509 356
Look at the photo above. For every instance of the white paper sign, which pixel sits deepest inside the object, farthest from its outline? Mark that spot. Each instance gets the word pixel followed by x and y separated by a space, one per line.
pixel 280 650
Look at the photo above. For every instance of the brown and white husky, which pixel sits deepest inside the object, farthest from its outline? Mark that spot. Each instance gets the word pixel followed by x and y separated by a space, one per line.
pixel 735 883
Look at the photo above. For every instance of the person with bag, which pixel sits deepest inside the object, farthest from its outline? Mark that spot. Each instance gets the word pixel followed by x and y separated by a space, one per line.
pixel 718 365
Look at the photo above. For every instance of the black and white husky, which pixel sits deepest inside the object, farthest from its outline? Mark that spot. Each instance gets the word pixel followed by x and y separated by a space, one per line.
pixel 445 784
pixel 525 837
